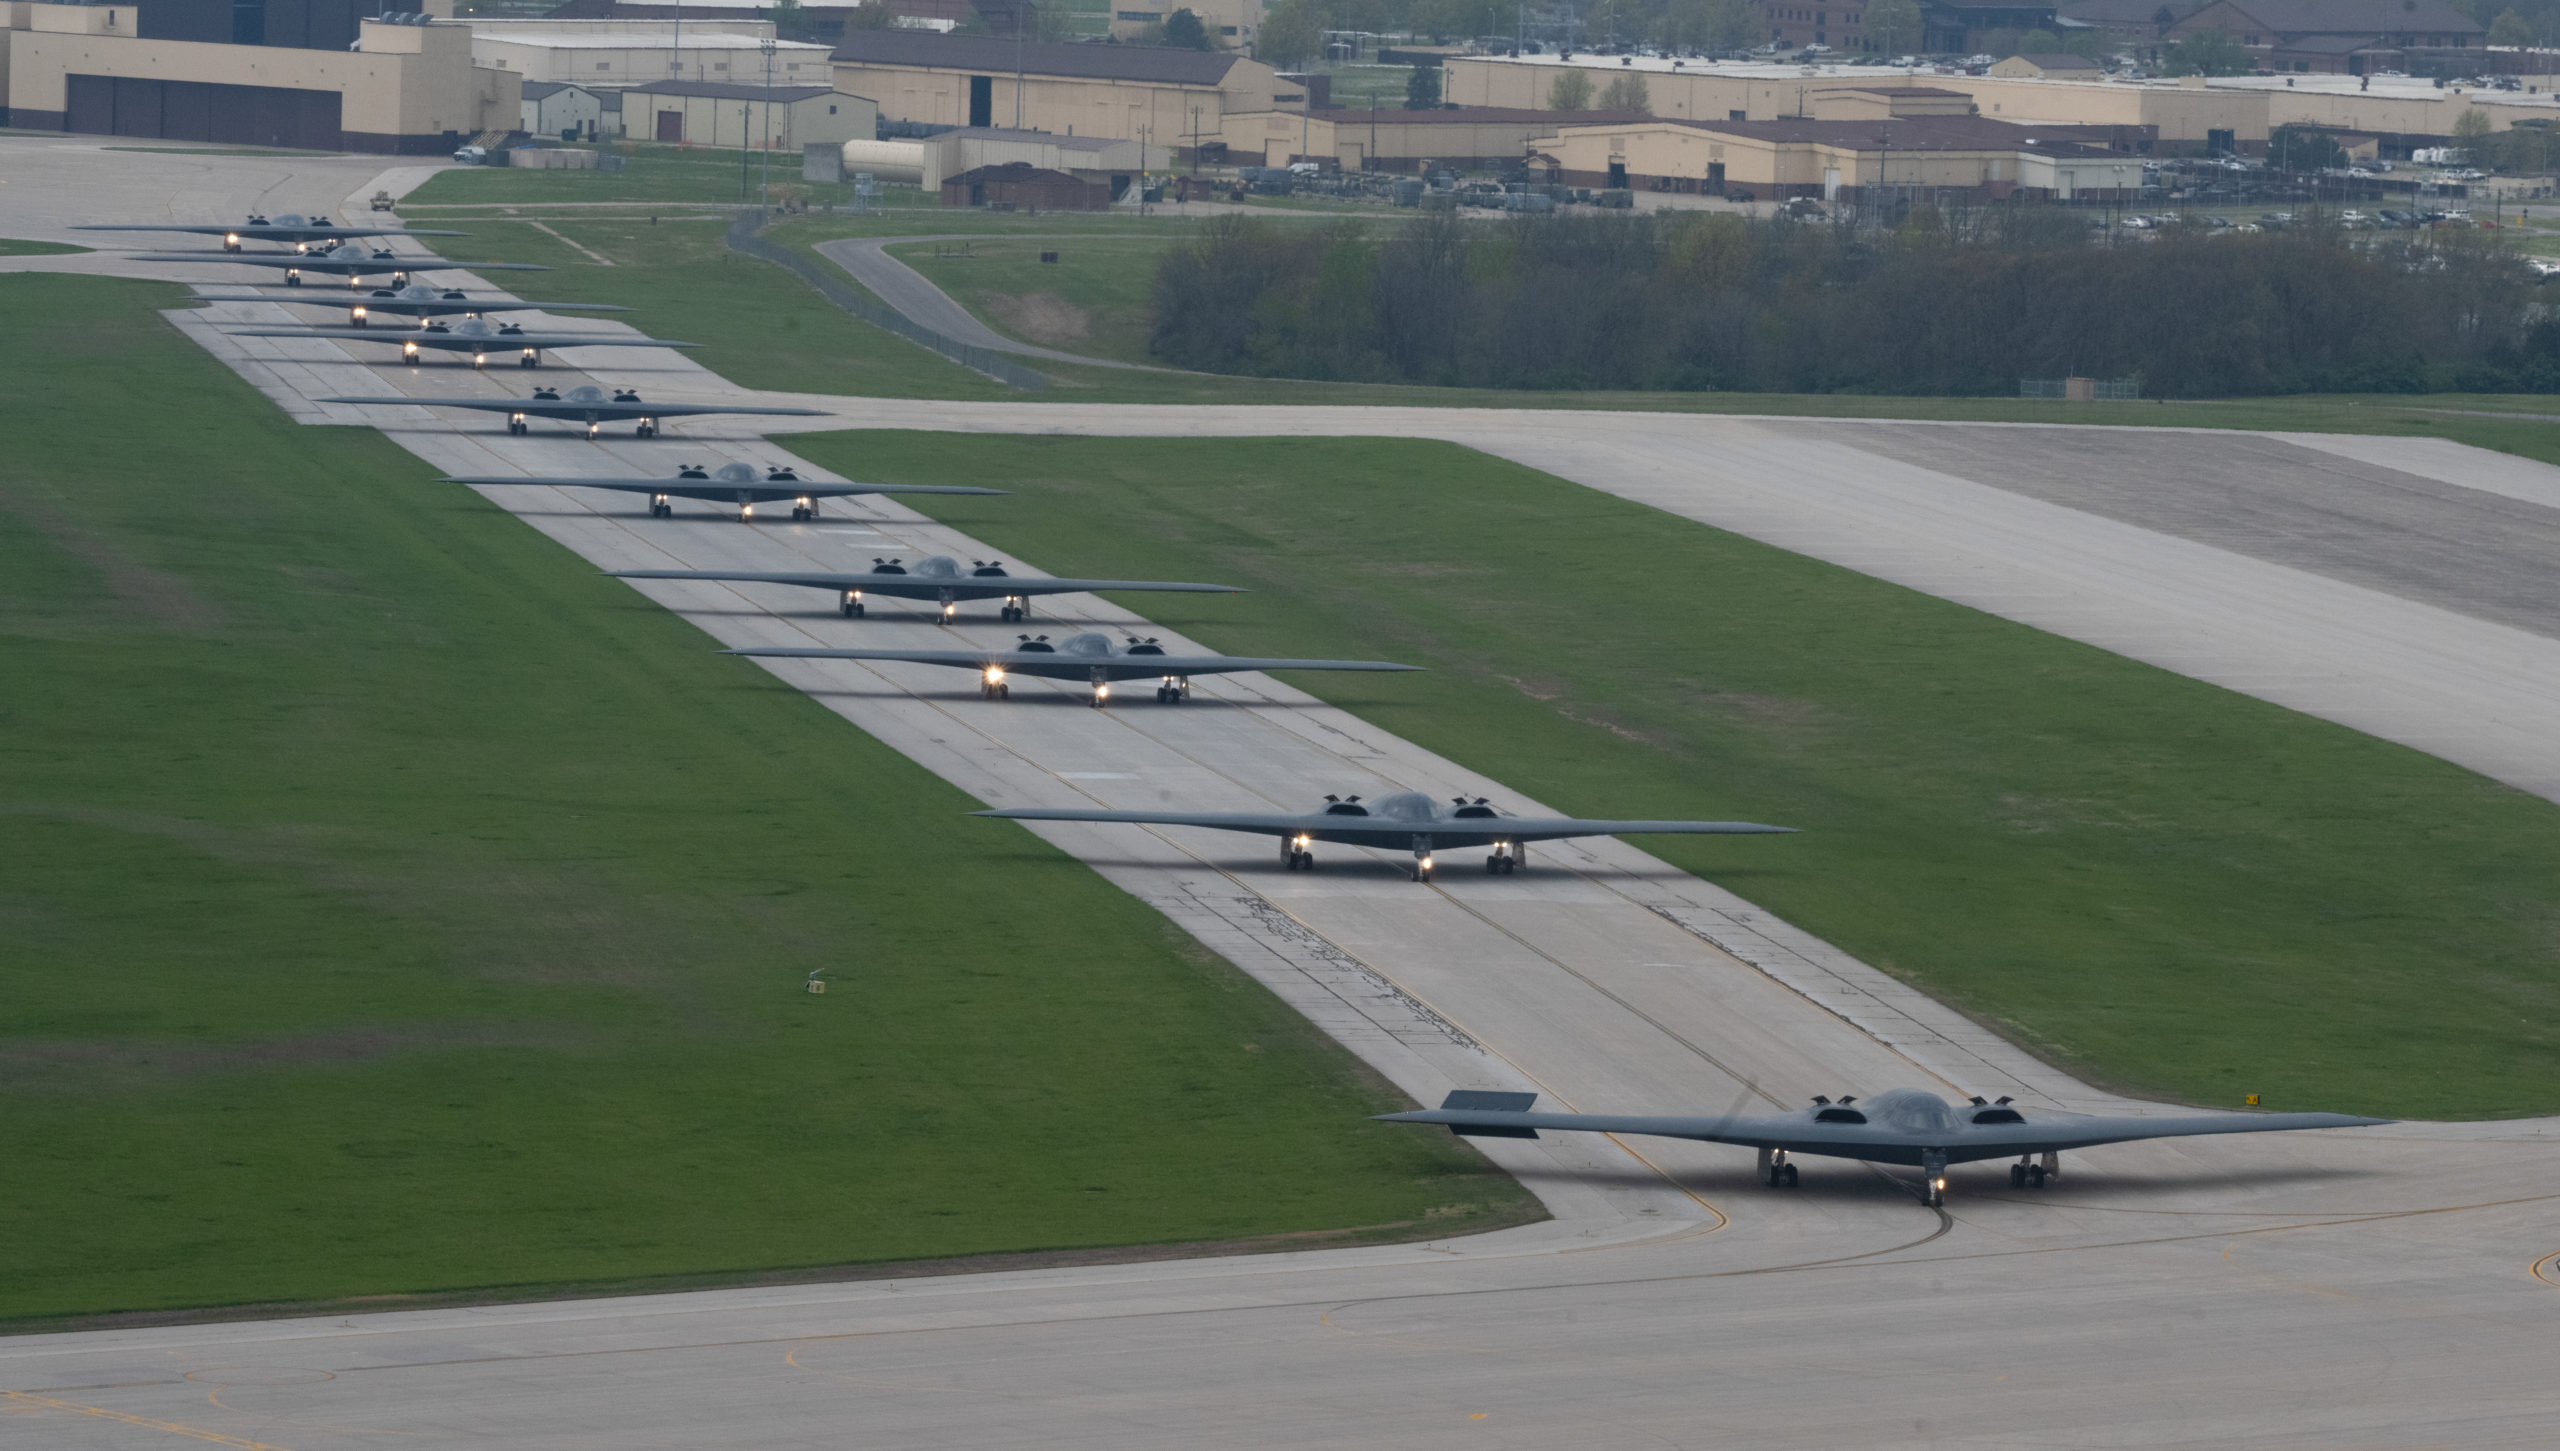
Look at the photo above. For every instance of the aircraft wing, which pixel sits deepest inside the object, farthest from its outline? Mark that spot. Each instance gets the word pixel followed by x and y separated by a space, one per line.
pixel 402 304
pixel 989 585
pixel 1385 827
pixel 722 488
pixel 571 408
pixel 2040 1133
pixel 262 234
pixel 1267 823
pixel 688 410
pixel 323 262
pixel 547 342
pixel 1061 666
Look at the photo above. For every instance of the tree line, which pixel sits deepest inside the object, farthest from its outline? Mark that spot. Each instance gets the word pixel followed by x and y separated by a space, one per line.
pixel 1950 303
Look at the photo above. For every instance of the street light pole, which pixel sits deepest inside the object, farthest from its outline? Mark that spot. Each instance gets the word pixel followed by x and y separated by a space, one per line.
pixel 765 197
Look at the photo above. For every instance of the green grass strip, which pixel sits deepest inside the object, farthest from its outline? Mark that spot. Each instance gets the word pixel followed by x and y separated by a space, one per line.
pixel 390 905
pixel 2161 884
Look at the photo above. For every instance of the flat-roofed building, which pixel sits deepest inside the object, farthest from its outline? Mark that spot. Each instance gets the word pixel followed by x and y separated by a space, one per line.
pixel 1170 98
pixel 634 52
pixel 718 114
pixel 1964 156
pixel 1468 138
pixel 173 70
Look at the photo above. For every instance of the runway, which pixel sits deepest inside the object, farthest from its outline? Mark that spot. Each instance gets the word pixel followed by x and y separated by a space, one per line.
pixel 2370 1287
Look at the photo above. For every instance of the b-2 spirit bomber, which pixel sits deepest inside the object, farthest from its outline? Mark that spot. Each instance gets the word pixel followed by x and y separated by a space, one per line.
pixel 290 228
pixel 733 483
pixel 418 300
pixel 474 335
pixel 350 261
pixel 1087 657
pixel 937 579
pixel 1906 1126
pixel 587 404
pixel 1405 820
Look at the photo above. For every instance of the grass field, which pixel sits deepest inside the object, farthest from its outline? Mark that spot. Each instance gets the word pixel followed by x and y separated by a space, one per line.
pixel 654 174
pixel 2162 884
pixel 1092 300
pixel 22 247
pixel 389 905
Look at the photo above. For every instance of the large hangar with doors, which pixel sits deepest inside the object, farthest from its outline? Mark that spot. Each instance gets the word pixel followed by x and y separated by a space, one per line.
pixel 322 75
pixel 1169 98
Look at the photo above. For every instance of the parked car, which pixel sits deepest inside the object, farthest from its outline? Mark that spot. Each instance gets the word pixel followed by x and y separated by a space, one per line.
pixel 472 156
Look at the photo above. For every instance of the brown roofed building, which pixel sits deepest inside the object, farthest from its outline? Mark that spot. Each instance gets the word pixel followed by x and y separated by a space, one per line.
pixel 1020 186
pixel 2335 37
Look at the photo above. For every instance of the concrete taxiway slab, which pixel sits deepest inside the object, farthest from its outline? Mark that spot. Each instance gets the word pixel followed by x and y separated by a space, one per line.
pixel 2374 1287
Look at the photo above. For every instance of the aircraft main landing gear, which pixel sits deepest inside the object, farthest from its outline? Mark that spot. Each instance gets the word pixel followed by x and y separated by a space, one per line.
pixel 648 428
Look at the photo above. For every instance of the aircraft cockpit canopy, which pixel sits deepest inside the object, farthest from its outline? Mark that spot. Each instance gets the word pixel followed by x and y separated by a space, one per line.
pixel 736 474
pixel 1088 643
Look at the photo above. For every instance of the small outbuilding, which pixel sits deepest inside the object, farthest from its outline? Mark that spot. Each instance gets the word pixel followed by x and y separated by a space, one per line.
pixel 1024 187
pixel 556 108
pixel 713 113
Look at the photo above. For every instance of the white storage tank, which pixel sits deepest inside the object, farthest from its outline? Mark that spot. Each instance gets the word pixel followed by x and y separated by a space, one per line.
pixel 886 160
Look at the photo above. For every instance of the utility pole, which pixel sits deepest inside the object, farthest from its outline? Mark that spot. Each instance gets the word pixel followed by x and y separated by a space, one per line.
pixel 765 197
pixel 675 58
pixel 746 134
pixel 1021 13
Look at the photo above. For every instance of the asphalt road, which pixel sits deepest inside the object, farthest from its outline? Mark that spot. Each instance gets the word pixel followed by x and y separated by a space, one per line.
pixel 2369 1287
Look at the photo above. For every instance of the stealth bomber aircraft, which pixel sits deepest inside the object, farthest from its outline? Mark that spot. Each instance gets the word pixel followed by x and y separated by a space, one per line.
pixel 1087 657
pixel 1394 823
pixel 350 261
pixel 289 228
pixel 420 300
pixel 588 405
pixel 477 336
pixel 741 484
pixel 1906 1126
pixel 937 579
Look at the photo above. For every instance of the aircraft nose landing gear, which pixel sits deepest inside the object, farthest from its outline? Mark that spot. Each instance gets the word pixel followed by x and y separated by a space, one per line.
pixel 1776 1171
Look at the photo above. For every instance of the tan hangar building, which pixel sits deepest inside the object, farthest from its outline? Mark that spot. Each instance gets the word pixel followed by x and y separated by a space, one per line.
pixel 186 70
pixel 1171 98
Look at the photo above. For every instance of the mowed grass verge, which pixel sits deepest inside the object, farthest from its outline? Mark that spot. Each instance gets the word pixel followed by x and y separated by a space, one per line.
pixel 391 906
pixel 2166 886
pixel 765 328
